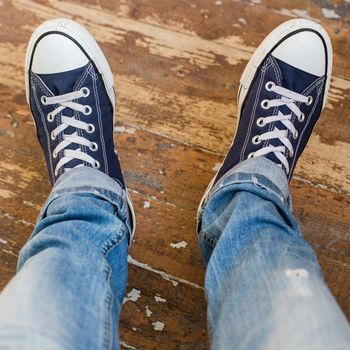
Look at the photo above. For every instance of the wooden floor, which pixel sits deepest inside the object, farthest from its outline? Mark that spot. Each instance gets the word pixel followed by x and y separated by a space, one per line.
pixel 177 65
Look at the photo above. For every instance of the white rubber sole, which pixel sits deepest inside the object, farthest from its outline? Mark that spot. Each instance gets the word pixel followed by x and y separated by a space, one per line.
pixel 255 61
pixel 92 49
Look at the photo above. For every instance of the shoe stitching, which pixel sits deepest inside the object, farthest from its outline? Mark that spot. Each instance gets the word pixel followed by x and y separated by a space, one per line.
pixel 43 120
pixel 99 114
pixel 252 117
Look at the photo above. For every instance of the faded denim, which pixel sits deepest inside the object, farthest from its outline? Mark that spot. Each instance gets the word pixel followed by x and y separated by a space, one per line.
pixel 263 283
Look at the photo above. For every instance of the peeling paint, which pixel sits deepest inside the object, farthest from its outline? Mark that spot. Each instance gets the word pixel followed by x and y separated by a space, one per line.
pixel 121 129
pixel 167 277
pixel 159 299
pixel 146 205
pixel 3 241
pixel 330 13
pixel 133 296
pixel 179 245
pixel 148 312
pixel 158 326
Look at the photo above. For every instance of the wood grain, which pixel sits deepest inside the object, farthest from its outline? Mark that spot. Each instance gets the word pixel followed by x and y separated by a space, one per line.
pixel 177 66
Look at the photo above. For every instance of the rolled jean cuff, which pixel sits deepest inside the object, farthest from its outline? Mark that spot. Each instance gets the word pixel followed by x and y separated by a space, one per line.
pixel 86 180
pixel 262 173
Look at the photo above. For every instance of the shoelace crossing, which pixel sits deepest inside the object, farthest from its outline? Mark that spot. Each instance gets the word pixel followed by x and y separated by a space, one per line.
pixel 66 101
pixel 288 98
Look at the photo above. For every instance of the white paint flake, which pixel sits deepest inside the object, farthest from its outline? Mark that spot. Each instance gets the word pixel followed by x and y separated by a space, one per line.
pixel 3 241
pixel 146 204
pixel 159 299
pixel 158 326
pixel 121 129
pixel 127 346
pixel 133 295
pixel 148 312
pixel 330 13
pixel 167 277
pixel 179 245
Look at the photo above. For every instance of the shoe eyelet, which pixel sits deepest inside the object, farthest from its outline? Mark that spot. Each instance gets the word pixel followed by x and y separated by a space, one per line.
pixel 96 165
pixel 90 129
pixel 54 154
pixel 256 140
pixel 269 85
pixel 43 100
pixel 50 118
pixel 250 155
pixel 93 147
pixel 295 135
pixel 291 154
pixel 260 122
pixel 309 100
pixel 53 136
pixel 302 117
pixel 265 104
pixel 85 91
pixel 87 110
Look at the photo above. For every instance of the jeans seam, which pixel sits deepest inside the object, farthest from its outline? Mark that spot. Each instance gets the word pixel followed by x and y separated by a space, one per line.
pixel 112 242
pixel 203 235
pixel 108 302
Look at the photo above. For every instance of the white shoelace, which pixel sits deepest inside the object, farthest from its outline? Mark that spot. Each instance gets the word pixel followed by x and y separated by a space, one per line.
pixel 289 99
pixel 66 101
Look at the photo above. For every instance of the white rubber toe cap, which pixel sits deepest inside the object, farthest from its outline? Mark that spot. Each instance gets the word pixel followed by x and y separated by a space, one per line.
pixel 304 50
pixel 55 53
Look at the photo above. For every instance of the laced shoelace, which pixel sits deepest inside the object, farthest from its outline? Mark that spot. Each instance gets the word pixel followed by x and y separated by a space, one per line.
pixel 66 101
pixel 288 98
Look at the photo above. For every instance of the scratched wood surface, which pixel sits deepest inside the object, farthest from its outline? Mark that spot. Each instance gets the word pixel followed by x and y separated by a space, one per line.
pixel 177 65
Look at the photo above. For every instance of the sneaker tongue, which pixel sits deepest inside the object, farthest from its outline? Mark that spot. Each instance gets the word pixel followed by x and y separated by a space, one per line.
pixel 62 83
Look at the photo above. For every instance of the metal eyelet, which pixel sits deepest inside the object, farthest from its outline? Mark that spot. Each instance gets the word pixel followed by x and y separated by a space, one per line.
pixel 43 100
pixel 87 110
pixel 93 147
pixel 85 91
pixel 256 140
pixel 295 135
pixel 96 165
pixel 90 129
pixel 260 122
pixel 50 118
pixel 309 100
pixel 53 136
pixel 302 117
pixel 269 85
pixel 54 154
pixel 265 104
pixel 291 154
pixel 250 155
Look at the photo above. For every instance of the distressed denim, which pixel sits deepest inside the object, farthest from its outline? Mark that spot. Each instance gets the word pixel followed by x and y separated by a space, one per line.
pixel 263 283
pixel 72 272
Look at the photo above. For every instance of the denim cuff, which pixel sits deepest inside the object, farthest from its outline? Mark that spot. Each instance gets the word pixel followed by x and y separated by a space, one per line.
pixel 260 172
pixel 92 181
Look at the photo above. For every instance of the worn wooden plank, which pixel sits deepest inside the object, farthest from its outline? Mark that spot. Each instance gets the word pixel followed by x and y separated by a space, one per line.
pixel 146 104
pixel 177 65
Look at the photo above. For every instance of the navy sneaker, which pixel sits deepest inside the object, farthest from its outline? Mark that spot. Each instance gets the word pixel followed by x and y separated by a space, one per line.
pixel 282 93
pixel 70 91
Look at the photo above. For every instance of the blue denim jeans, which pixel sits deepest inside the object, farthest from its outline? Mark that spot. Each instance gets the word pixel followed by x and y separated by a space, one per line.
pixel 263 284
